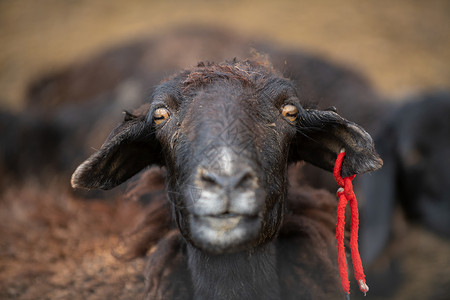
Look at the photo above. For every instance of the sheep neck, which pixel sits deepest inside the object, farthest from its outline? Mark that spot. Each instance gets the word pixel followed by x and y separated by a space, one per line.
pixel 243 275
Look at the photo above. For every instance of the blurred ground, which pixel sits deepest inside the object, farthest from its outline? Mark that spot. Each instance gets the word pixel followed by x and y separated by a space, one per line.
pixel 66 253
pixel 403 46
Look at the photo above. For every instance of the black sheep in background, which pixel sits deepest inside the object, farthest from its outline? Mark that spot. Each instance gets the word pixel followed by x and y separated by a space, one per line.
pixel 415 144
pixel 414 184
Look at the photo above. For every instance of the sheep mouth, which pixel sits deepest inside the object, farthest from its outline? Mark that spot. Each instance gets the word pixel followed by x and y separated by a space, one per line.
pixel 226 221
pixel 224 233
pixel 225 216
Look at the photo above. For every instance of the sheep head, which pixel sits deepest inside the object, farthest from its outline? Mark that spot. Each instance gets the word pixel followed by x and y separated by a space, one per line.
pixel 226 133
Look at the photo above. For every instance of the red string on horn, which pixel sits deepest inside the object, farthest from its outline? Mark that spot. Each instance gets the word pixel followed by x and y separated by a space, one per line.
pixel 345 194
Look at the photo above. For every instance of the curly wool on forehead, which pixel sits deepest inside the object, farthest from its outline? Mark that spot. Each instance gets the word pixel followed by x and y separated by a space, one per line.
pixel 250 72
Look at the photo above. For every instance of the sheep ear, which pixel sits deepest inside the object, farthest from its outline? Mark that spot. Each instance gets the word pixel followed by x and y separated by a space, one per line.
pixel 322 134
pixel 130 147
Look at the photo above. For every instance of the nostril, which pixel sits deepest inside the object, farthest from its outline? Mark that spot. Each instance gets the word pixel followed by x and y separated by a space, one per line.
pixel 244 180
pixel 209 179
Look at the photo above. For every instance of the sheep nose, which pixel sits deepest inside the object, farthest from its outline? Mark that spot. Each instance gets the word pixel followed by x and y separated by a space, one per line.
pixel 244 179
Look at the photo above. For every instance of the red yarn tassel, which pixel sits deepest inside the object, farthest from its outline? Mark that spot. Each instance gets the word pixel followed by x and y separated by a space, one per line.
pixel 340 228
pixel 346 194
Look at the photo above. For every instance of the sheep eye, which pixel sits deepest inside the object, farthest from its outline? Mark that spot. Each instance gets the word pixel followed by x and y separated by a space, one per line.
pixel 160 115
pixel 290 112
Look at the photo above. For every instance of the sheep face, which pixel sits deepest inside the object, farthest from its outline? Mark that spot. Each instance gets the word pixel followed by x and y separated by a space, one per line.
pixel 226 148
pixel 226 133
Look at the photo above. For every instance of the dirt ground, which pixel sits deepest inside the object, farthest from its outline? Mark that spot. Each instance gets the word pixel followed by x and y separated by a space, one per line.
pixel 53 246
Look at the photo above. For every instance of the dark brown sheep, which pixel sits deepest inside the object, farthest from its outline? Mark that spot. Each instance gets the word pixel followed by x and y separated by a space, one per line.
pixel 226 134
pixel 70 111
